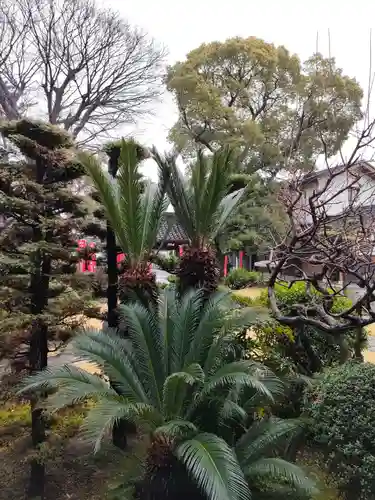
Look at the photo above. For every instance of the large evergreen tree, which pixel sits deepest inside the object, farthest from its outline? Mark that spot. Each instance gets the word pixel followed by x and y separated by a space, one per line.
pixel 40 297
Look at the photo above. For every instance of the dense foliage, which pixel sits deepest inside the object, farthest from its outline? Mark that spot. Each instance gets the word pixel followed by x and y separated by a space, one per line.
pixel 202 206
pixel 261 99
pixel 342 408
pixel 309 348
pixel 242 278
pixel 38 243
pixel 210 436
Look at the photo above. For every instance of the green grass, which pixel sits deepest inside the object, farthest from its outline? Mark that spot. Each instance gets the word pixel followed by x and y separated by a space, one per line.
pixel 15 415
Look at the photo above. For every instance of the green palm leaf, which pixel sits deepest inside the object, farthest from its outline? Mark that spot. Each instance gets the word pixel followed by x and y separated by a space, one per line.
pixel 265 437
pixel 279 469
pixel 212 465
pixel 177 429
pixel 109 411
pixel 147 345
pixel 133 210
pixel 113 354
pixel 200 201
pixel 239 374
pixel 74 384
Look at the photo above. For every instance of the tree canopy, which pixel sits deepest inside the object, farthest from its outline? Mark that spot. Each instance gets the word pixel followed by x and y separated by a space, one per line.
pixel 263 100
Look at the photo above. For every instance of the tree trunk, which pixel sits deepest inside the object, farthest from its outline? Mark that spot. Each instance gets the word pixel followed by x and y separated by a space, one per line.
pixel 38 354
pixel 358 345
pixel 112 290
pixel 38 361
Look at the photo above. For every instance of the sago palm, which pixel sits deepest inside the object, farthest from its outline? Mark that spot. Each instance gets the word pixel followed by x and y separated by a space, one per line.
pixel 170 368
pixel 202 206
pixel 134 210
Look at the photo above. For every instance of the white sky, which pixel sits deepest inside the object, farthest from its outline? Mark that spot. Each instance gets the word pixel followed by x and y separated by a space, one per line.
pixel 183 26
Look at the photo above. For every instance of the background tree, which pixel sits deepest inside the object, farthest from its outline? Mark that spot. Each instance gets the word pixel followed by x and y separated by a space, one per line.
pixel 77 65
pixel 40 298
pixel 259 221
pixel 262 100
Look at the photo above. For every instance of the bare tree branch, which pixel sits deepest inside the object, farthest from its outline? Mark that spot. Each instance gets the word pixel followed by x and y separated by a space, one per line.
pixel 78 66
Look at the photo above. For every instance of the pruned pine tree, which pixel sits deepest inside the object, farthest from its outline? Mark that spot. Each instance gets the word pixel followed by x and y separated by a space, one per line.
pixel 41 298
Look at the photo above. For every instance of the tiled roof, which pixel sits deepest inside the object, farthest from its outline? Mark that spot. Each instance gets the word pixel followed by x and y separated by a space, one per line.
pixel 170 230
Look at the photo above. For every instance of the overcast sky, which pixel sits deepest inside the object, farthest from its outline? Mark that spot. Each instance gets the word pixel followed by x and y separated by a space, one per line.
pixel 183 26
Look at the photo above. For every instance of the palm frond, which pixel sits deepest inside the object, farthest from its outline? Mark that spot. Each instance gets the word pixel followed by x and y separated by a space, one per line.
pixel 239 374
pixel 109 411
pixel 266 436
pixel 279 469
pixel 200 201
pixel 178 191
pixel 108 190
pixel 134 212
pixel 74 384
pixel 186 322
pixel 113 354
pixel 211 319
pixel 147 343
pixel 212 465
pixel 177 429
pixel 174 392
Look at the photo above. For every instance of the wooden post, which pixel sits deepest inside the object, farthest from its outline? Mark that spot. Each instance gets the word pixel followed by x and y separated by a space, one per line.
pixel 225 271
pixel 241 258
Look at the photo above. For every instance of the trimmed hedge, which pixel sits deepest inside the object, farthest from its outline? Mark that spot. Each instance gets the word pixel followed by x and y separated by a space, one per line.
pixel 242 278
pixel 342 409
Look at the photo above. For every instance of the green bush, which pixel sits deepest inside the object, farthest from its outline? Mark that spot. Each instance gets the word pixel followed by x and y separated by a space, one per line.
pixel 342 408
pixel 241 278
pixel 168 263
pixel 312 349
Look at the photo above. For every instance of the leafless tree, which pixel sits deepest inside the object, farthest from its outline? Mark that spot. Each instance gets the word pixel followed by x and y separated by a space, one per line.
pixel 76 65
pixel 330 241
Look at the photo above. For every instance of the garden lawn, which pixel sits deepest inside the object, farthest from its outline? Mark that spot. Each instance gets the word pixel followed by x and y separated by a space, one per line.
pixel 252 292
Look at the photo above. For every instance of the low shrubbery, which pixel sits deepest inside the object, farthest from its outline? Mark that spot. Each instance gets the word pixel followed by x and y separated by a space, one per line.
pixel 342 408
pixel 242 278
pixel 168 263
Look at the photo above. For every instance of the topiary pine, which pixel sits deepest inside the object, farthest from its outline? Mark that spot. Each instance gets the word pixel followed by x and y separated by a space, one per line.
pixel 41 297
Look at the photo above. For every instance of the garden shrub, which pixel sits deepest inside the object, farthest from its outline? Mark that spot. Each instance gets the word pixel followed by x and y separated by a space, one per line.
pixel 168 263
pixel 314 348
pixel 342 408
pixel 241 278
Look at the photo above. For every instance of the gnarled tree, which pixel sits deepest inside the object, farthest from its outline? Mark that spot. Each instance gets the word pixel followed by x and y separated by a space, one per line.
pixel 329 243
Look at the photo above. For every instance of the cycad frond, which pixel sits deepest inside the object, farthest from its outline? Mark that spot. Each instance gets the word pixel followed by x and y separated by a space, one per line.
pixel 134 212
pixel 265 437
pixel 147 345
pixel 109 411
pixel 239 374
pixel 186 319
pixel 211 464
pixel 113 355
pixel 279 469
pixel 174 392
pixel 177 429
pixel 74 384
pixel 200 201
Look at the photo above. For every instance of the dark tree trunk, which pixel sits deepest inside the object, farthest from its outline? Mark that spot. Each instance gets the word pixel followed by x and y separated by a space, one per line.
pixel 358 344
pixel 112 291
pixel 38 354
pixel 38 361
pixel 112 271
